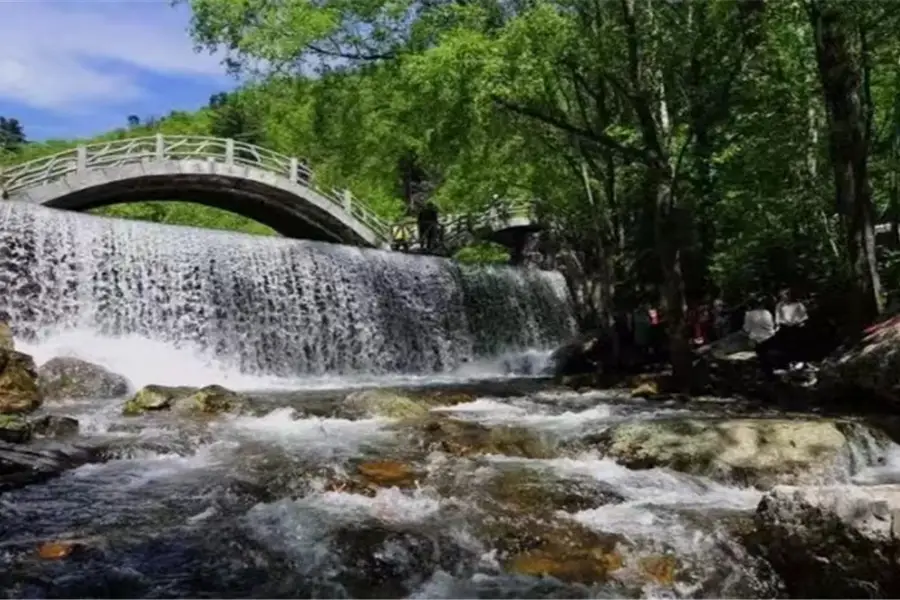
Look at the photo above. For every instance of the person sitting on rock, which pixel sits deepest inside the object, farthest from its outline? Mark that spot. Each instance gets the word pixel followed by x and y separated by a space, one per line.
pixel 790 317
pixel 759 325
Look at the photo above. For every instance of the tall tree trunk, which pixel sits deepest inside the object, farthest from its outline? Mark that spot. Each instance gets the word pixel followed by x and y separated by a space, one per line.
pixel 671 226
pixel 840 60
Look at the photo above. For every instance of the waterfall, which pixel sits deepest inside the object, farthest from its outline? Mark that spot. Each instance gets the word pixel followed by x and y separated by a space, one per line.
pixel 269 306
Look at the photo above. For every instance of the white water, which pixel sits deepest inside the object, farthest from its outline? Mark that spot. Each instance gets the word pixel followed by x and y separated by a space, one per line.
pixel 178 305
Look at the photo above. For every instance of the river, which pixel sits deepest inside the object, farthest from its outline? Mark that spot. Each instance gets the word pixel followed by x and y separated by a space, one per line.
pixel 304 498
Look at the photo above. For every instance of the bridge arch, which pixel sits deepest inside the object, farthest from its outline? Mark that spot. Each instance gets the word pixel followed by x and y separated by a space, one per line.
pixel 271 188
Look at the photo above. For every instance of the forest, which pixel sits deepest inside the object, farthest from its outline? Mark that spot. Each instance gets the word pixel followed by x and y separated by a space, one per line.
pixel 676 150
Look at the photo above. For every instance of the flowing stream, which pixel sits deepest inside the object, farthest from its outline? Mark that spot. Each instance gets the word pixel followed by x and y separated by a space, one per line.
pixel 269 504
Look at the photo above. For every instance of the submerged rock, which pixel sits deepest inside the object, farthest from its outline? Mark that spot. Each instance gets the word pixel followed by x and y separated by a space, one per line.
pixel 831 542
pixel 23 464
pixel 66 377
pixel 377 560
pixel 388 473
pixel 558 548
pixel 527 490
pixel 15 429
pixel 19 392
pixel 463 438
pixel 760 452
pixel 209 400
pixel 54 426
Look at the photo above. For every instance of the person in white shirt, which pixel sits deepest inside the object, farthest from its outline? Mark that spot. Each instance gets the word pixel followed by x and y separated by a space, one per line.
pixel 760 328
pixel 758 323
pixel 790 317
pixel 789 312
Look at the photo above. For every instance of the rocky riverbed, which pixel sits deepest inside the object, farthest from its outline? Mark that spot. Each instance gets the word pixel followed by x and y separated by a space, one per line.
pixel 490 489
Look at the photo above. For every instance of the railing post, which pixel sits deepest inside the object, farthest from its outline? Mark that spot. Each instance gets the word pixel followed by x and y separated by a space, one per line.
pixel 80 158
pixel 347 198
pixel 295 165
pixel 229 151
pixel 160 153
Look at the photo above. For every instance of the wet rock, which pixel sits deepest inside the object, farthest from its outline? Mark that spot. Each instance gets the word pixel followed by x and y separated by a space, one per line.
pixel 831 542
pixel 866 372
pixel 660 569
pixel 15 429
pixel 6 337
pixel 591 565
pixel 209 400
pixel 23 464
pixel 380 561
pixel 561 549
pixel 54 426
pixel 648 388
pixel 369 404
pixel 388 473
pixel 462 438
pixel 56 550
pixel 583 355
pixel 19 392
pixel 154 398
pixel 760 452
pixel 533 492
pixel 66 377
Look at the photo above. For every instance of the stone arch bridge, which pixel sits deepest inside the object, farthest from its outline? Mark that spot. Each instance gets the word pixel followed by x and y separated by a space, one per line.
pixel 276 190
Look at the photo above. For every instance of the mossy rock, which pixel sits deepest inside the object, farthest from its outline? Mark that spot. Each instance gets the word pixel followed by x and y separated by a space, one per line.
pixel 15 429
pixel 537 546
pixel 757 452
pixel 19 391
pixel 526 490
pixel 463 438
pixel 387 404
pixel 66 377
pixel 209 400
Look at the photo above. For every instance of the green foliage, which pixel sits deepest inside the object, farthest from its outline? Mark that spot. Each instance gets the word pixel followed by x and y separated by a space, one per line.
pixel 485 253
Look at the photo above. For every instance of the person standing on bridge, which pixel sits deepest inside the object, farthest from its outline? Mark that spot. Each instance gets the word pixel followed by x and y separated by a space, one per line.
pixel 429 227
pixel 400 234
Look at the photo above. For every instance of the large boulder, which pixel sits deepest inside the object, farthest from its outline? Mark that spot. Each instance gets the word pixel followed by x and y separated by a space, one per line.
pixel 831 542
pixel 382 403
pixel 209 400
pixel 759 452
pixel 583 355
pixel 67 377
pixel 868 370
pixel 19 392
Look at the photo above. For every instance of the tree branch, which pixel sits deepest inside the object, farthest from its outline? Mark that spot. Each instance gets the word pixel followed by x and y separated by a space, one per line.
pixel 627 152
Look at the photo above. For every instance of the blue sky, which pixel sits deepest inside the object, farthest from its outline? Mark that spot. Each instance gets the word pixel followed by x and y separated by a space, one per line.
pixel 75 68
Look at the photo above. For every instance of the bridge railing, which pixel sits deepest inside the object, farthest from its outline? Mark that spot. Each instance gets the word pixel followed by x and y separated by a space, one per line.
pixel 160 147
pixel 149 149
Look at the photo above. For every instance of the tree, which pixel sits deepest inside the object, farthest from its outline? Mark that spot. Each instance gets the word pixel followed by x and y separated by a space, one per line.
pixel 12 134
pixel 843 54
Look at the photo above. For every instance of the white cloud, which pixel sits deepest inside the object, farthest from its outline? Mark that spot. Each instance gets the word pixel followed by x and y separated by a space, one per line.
pixel 81 54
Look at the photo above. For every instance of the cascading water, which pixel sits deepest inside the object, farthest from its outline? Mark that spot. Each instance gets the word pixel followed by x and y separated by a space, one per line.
pixel 269 306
